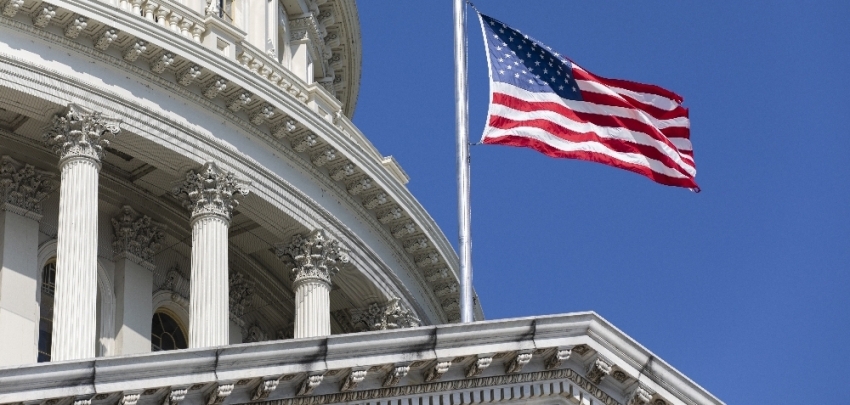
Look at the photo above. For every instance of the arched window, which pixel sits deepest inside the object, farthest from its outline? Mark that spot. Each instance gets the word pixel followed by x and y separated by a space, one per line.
pixel 166 333
pixel 45 323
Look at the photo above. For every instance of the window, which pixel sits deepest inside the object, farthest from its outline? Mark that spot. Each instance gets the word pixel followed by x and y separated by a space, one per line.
pixel 45 323
pixel 166 333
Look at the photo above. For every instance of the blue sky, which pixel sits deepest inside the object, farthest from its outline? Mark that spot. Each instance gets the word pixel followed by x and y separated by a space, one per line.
pixel 743 287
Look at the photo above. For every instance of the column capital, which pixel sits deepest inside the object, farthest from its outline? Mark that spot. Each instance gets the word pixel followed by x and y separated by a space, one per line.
pixel 23 187
pixel 79 133
pixel 137 236
pixel 210 191
pixel 316 256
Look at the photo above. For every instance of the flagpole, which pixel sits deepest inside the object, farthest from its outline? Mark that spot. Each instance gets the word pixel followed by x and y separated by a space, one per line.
pixel 462 127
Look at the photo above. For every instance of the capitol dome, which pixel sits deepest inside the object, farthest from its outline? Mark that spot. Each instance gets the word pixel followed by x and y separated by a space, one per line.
pixel 183 177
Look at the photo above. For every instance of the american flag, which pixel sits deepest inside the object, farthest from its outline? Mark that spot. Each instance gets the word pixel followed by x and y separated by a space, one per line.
pixel 542 100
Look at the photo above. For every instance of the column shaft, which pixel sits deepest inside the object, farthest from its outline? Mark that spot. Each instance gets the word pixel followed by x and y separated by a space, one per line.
pixel 19 314
pixel 75 303
pixel 209 297
pixel 312 308
pixel 134 307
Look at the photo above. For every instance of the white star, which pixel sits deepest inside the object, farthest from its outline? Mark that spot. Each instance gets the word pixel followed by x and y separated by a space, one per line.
pixel 528 55
pixel 574 88
pixel 509 67
pixel 530 81
pixel 552 79
pixel 502 30
pixel 511 39
pixel 519 47
pixel 501 72
pixel 516 75
pixel 507 55
pixel 516 63
pixel 545 70
pixel 537 63
pixel 492 23
pixel 498 48
pixel 501 60
pixel 495 36
pixel 560 87
pixel 557 54
pixel 542 56
pixel 524 72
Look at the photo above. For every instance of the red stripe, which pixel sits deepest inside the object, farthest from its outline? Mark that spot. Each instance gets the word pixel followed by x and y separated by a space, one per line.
pixel 598 119
pixel 628 85
pixel 628 102
pixel 548 150
pixel 615 145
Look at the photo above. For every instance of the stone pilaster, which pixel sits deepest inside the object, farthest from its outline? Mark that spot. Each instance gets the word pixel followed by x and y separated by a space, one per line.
pixel 136 240
pixel 78 137
pixel 22 187
pixel 211 195
pixel 317 259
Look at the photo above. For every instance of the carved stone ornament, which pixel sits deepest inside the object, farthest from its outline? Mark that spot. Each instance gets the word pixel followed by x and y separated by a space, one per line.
pixel 310 384
pixel 175 396
pixel 640 396
pixel 137 235
pixel 219 394
pixel 80 133
pixel 518 362
pixel 354 378
pixel 23 187
pixel 210 191
pixel 316 256
pixel 255 334
pixel 395 375
pixel 554 361
pixel 383 316
pixel 266 388
pixel 478 366
pixel 176 283
pixel 241 294
pixel 437 371
pixel 598 369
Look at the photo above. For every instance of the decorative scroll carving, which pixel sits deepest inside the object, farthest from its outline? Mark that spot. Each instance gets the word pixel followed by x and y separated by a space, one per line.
pixel 390 215
pixel 11 8
pixel 404 229
pixel 136 235
pixel 360 185
pixel 281 130
pixel 478 366
pixel 44 15
pixel 437 371
pixel 305 142
pixel 106 38
pixel 518 362
pixel 640 396
pixel 189 74
pixel 376 200
pixel 129 399
pixel 265 112
pixel 210 191
pixel 383 316
pixel 216 86
pixel 310 384
pixel 240 101
pixel 175 396
pixel 266 388
pixel 316 256
pixel 598 369
pixel 137 48
pixel 554 361
pixel 241 294
pixel 354 378
pixel 342 171
pixel 415 245
pixel 395 375
pixel 220 392
pixel 445 290
pixel 165 60
pixel 23 187
pixel 427 260
pixel 437 274
pixel 323 157
pixel 80 133
pixel 77 25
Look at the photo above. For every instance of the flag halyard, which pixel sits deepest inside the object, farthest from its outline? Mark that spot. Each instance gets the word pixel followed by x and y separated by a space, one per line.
pixel 542 100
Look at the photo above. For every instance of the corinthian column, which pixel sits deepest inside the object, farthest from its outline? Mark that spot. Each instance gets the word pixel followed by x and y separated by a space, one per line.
pixel 210 194
pixel 78 138
pixel 317 259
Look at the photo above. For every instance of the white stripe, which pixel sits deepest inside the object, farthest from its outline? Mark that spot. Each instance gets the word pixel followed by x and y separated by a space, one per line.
pixel 581 106
pixel 614 133
pixel 656 100
pixel 596 147
pixel 599 88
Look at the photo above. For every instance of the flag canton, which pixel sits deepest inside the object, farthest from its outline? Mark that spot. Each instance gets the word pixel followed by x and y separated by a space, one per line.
pixel 519 60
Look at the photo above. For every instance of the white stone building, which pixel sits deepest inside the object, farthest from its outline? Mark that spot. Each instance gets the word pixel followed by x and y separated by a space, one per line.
pixel 189 216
